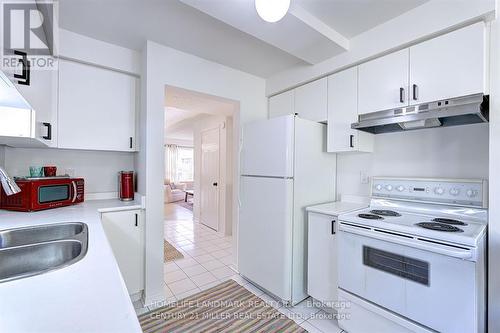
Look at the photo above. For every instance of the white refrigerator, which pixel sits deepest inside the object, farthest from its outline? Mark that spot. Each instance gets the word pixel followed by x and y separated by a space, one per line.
pixel 284 168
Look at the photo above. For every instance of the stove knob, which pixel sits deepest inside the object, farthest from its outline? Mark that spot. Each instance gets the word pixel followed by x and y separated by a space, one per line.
pixel 378 187
pixel 400 188
pixel 471 193
pixel 455 191
pixel 439 191
pixel 388 187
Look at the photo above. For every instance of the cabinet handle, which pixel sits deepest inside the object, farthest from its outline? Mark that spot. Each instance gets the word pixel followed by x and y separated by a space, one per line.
pixel 415 92
pixel 130 142
pixel 215 184
pixel 136 219
pixel 402 95
pixel 351 141
pixel 49 131
pixel 25 77
pixel 333 227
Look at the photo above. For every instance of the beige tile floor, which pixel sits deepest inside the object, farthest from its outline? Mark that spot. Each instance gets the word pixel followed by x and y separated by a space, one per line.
pixel 208 261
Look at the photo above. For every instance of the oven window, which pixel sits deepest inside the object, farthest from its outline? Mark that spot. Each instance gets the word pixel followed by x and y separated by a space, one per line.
pixel 405 267
pixel 53 193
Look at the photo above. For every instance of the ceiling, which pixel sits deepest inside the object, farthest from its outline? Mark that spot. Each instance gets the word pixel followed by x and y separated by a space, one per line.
pixel 230 32
pixel 183 108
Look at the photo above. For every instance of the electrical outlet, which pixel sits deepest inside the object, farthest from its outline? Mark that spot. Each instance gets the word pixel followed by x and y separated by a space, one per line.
pixel 364 178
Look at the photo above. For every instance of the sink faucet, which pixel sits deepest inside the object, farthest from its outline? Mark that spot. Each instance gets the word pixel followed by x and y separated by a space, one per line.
pixel 9 185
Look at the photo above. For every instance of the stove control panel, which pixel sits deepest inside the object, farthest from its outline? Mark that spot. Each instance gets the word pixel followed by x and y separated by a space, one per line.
pixel 461 192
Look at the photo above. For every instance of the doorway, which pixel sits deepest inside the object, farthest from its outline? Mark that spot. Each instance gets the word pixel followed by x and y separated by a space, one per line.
pixel 198 191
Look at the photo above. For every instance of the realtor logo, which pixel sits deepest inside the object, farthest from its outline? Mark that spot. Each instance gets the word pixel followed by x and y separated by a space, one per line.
pixel 27 27
pixel 28 36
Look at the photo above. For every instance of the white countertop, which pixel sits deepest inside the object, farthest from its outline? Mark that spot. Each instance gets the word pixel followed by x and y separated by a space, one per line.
pixel 88 296
pixel 336 208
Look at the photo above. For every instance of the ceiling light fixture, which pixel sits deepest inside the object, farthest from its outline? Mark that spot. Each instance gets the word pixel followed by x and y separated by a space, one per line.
pixel 272 10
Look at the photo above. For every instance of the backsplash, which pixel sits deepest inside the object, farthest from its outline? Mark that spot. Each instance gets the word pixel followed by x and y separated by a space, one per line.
pixel 98 168
pixel 2 156
pixel 453 152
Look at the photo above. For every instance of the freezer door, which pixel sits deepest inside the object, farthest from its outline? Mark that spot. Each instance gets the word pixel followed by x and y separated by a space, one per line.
pixel 265 234
pixel 267 147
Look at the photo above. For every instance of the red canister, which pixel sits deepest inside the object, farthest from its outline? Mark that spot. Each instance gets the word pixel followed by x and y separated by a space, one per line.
pixel 126 185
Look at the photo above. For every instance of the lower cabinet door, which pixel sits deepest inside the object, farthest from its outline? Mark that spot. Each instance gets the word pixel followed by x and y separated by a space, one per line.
pixel 322 258
pixel 125 233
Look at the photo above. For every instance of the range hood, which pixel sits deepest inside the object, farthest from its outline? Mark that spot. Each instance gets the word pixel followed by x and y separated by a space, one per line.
pixel 17 117
pixel 470 109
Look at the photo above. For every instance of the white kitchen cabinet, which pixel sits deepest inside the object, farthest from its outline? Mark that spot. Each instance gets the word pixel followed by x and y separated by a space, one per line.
pixel 342 112
pixel 41 94
pixel 97 108
pixel 383 83
pixel 125 233
pixel 281 104
pixel 448 66
pixel 322 271
pixel 311 100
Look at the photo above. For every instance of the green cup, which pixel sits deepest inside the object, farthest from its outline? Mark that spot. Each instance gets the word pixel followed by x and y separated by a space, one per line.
pixel 36 171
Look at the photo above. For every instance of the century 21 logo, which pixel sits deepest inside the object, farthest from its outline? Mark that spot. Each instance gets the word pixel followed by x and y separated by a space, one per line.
pixel 28 27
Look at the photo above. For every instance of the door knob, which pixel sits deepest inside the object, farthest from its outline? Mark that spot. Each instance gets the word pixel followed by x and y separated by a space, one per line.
pixel 214 184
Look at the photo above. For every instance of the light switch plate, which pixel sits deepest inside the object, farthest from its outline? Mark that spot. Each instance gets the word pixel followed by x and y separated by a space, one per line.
pixel 364 178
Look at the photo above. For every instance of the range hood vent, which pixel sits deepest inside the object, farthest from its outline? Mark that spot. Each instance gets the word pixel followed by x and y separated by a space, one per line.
pixel 451 112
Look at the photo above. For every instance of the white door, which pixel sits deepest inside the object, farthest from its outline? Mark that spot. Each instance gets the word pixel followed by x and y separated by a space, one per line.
pixel 268 147
pixel 282 104
pixel 322 256
pixel 448 66
pixel 96 108
pixel 311 100
pixel 342 112
pixel 383 83
pixel 210 171
pixel 265 233
pixel 124 231
pixel 41 94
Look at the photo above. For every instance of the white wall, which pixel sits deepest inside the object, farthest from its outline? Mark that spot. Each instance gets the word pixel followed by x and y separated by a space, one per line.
pixel 2 156
pixel 98 168
pixel 425 21
pixel 453 152
pixel 164 66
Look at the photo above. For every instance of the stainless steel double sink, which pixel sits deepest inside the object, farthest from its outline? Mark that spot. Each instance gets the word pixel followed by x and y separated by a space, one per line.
pixel 30 251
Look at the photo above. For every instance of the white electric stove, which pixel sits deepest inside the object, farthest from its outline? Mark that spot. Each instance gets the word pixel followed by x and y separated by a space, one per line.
pixel 414 260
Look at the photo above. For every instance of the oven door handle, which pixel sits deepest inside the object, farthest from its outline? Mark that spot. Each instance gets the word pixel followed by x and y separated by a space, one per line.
pixel 75 193
pixel 411 242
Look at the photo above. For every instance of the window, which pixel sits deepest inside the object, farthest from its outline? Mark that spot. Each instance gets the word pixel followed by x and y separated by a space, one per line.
pixel 185 164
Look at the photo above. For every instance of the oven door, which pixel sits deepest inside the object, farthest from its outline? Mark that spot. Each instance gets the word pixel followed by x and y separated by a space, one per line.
pixel 435 290
pixel 54 193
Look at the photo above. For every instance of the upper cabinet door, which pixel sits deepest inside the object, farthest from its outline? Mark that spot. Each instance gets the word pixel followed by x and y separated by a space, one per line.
pixel 282 104
pixel 311 100
pixel 448 66
pixel 41 94
pixel 383 83
pixel 97 108
pixel 342 112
